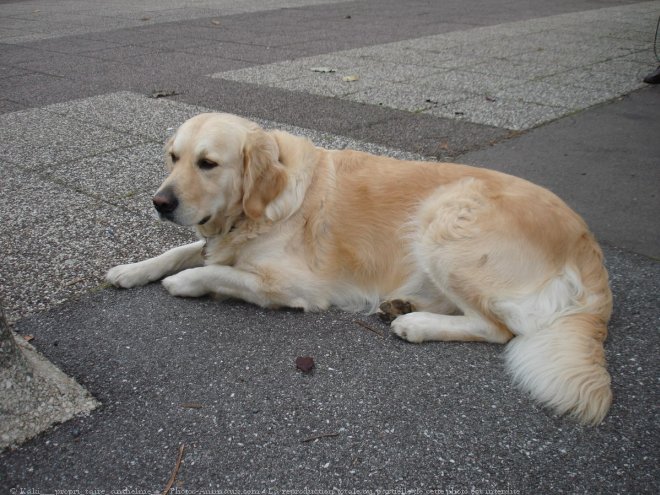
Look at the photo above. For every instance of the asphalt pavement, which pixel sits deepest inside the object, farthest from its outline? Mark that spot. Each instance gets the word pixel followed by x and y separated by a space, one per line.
pixel 549 91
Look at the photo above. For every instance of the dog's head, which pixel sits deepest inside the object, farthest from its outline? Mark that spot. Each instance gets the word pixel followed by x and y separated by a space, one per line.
pixel 219 164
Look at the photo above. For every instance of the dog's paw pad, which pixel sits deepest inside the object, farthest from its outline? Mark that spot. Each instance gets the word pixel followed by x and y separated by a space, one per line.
pixel 389 310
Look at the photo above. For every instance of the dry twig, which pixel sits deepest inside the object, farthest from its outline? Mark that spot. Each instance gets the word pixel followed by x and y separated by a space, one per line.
pixel 370 328
pixel 316 437
pixel 179 458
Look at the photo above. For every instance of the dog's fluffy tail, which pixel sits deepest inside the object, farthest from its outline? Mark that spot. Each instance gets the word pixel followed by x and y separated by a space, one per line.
pixel 563 366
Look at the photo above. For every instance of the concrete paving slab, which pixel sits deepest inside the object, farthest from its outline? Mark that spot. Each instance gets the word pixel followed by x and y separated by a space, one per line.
pixel 443 139
pixel 37 89
pixel 49 233
pixel 12 72
pixel 126 112
pixel 613 83
pixel 76 18
pixel 458 80
pixel 241 51
pixel 499 112
pixel 255 436
pixel 402 97
pixel 528 49
pixel 516 69
pixel 24 78
pixel 603 162
pixel 66 64
pixel 11 54
pixel 36 395
pixel 564 96
pixel 72 44
pixel 113 176
pixel 36 138
pixel 330 85
pixel 219 377
pixel 9 106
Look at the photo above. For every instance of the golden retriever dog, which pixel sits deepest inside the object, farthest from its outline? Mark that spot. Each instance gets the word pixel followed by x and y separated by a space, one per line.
pixel 457 252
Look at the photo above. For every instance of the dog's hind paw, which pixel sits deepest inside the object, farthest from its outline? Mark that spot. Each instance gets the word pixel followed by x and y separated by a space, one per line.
pixel 389 310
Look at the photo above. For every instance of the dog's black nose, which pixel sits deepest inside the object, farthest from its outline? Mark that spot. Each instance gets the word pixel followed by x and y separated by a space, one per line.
pixel 165 202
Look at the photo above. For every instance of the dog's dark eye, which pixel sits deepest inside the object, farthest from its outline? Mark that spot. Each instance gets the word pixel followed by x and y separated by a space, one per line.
pixel 173 157
pixel 206 164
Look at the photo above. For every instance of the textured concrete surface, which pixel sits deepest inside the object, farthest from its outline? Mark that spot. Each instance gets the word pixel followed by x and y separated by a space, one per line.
pixel 614 189
pixel 221 379
pixel 36 395
pixel 37 20
pixel 514 75
pixel 81 149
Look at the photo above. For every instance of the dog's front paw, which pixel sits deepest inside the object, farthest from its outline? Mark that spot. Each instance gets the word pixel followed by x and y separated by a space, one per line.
pixel 185 284
pixel 410 328
pixel 127 276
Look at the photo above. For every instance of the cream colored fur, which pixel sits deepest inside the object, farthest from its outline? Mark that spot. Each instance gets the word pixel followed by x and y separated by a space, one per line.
pixel 481 255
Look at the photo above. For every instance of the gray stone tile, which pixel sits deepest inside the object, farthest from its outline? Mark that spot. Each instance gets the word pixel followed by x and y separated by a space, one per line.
pixel 125 54
pixel 515 69
pixel 37 89
pixel 622 30
pixel 406 97
pixel 585 55
pixel 13 54
pixel 15 23
pixel 337 61
pixel 49 233
pixel 282 39
pixel 643 57
pixel 375 73
pixel 553 95
pixel 141 203
pixel 174 41
pixel 7 106
pixel 502 47
pixel 508 114
pixel 37 138
pixel 385 53
pixel 241 51
pixel 275 73
pixel 66 64
pixel 442 138
pixel 135 36
pixel 113 176
pixel 323 84
pixel 561 60
pixel 73 45
pixel 624 66
pixel 610 82
pixel 7 71
pixel 126 112
pixel 186 62
pixel 460 80
pixel 9 33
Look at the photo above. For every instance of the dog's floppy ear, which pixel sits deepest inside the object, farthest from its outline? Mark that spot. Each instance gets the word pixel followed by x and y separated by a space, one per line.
pixel 264 176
